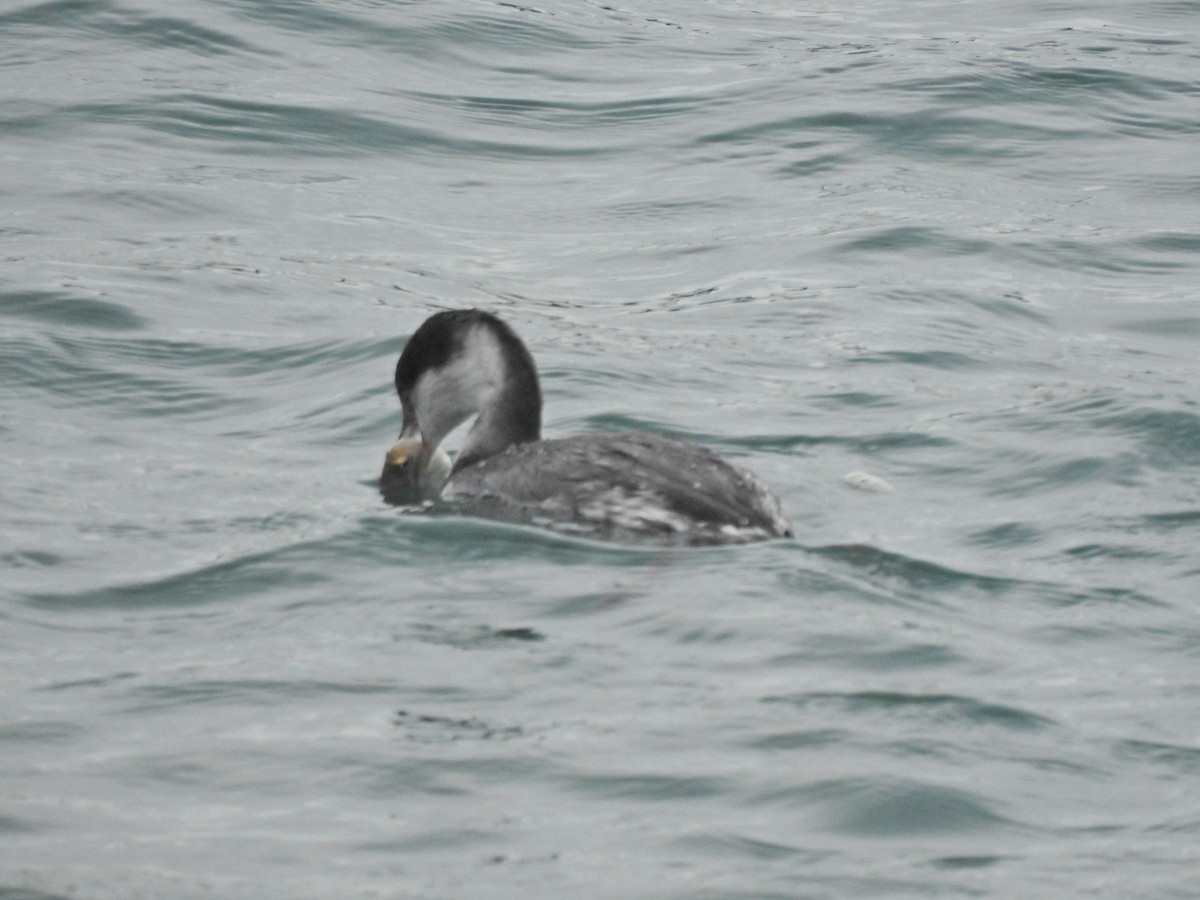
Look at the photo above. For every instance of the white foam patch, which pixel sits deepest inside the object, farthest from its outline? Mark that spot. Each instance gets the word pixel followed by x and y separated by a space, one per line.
pixel 865 481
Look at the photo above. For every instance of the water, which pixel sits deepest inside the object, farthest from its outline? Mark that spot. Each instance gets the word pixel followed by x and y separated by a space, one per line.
pixel 949 247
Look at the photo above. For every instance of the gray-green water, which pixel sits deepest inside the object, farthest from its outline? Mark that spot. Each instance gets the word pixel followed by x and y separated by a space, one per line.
pixel 954 246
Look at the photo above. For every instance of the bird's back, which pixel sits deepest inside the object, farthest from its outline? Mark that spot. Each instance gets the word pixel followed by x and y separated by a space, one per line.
pixel 627 484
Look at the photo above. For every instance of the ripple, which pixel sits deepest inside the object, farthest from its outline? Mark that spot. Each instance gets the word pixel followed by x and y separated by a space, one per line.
pixel 72 373
pixel 724 844
pixel 1013 81
pixel 61 310
pixel 895 808
pixel 246 127
pixel 923 581
pixel 901 810
pixel 649 788
pixel 943 708
pixel 1181 760
pixel 104 21
pixel 967 862
pixel 264 692
pixel 219 583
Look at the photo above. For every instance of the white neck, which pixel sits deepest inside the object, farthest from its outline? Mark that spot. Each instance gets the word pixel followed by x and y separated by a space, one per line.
pixel 468 385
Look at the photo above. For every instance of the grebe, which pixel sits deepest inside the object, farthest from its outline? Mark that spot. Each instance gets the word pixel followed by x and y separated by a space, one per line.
pixel 626 486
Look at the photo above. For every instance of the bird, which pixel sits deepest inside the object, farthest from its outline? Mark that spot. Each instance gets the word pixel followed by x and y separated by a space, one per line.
pixel 631 487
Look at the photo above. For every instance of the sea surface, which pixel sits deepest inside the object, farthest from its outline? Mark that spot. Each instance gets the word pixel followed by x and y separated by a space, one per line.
pixel 931 269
